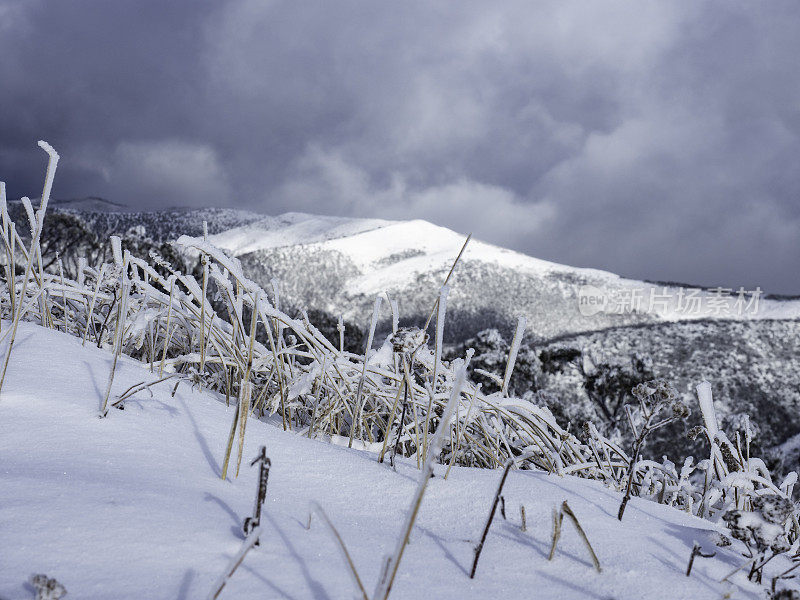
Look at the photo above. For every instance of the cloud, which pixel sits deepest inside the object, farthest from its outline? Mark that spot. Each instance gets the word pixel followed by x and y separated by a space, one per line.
pixel 653 139
pixel 326 182
pixel 168 172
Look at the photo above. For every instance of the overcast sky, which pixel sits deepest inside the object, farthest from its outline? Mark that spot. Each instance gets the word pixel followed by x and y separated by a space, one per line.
pixel 656 140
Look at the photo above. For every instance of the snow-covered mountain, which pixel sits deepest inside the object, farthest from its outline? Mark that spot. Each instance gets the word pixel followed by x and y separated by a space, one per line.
pixel 338 265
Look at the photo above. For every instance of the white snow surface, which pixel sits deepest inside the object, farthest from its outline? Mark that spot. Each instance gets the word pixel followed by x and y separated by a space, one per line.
pixel 132 506
pixel 289 229
pixel 391 254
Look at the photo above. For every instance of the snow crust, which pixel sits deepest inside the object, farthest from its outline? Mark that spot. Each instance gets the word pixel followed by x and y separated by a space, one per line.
pixel 132 506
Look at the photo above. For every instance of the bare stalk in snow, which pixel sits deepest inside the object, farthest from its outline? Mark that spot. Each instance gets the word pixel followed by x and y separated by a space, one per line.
pixel 558 518
pixel 250 541
pixel 697 550
pixel 490 518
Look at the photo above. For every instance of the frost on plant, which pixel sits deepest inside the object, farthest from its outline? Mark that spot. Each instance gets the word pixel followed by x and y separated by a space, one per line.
pixel 408 339
pixel 47 588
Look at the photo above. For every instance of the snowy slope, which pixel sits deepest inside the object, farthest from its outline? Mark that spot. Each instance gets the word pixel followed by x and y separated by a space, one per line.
pixel 370 242
pixel 132 507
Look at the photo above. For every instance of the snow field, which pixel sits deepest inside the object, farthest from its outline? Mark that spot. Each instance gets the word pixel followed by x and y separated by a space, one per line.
pixel 132 506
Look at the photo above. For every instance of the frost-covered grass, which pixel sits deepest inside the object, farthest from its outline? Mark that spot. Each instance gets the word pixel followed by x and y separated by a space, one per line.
pixel 222 333
pixel 147 309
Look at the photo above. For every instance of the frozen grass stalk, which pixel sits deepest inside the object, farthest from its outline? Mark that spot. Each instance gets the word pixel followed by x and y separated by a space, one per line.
pixel 231 438
pixel 447 280
pixel 122 309
pixel 358 403
pixel 400 389
pixel 52 163
pixel 204 260
pixel 440 316
pixel 512 353
pixel 244 409
pixel 316 508
pixel 437 358
pixel 90 316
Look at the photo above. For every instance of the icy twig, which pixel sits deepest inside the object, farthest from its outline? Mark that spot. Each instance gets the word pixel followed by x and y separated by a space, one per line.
pixel 359 403
pixel 697 550
pixel 138 387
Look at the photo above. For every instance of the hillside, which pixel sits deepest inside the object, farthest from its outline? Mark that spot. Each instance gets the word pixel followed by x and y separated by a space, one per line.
pixel 132 506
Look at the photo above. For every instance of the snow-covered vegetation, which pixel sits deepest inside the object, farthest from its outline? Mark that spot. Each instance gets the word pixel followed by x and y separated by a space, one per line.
pixel 218 331
pixel 754 367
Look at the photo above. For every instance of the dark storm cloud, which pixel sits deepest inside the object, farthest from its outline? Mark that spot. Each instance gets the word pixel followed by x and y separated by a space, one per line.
pixel 657 140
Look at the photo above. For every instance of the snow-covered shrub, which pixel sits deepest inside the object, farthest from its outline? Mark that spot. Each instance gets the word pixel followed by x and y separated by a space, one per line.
pixel 785 595
pixel 609 385
pixel 408 339
pixel 659 406
pixel 762 529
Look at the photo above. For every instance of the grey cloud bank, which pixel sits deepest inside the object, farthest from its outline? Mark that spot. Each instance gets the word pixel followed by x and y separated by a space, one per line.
pixel 658 140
